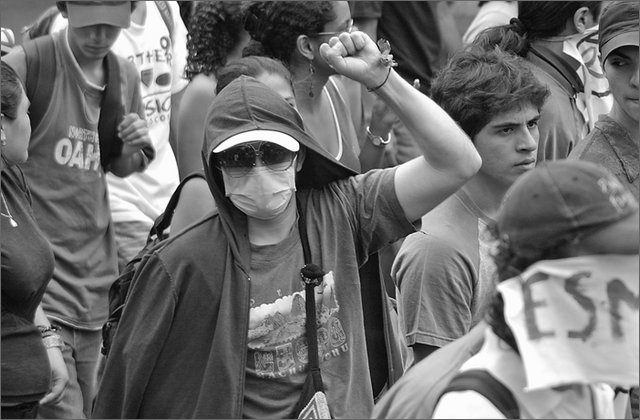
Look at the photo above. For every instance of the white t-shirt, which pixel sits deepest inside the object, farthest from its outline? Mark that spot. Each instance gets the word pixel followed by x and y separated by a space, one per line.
pixel 143 196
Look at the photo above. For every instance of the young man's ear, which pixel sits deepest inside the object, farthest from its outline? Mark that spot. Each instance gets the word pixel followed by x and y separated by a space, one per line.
pixel 304 47
pixel 583 19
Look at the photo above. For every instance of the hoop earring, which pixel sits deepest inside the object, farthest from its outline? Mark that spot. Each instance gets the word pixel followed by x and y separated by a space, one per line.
pixel 312 70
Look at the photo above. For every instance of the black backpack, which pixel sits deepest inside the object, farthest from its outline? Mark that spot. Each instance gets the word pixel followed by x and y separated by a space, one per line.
pixel 119 290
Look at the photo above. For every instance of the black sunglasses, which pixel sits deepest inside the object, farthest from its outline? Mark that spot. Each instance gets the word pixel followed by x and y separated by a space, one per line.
pixel 240 160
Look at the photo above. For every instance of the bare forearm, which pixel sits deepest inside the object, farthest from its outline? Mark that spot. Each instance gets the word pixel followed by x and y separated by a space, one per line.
pixel 444 145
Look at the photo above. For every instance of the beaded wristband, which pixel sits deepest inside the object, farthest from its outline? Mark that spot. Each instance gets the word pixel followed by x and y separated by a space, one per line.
pixel 52 341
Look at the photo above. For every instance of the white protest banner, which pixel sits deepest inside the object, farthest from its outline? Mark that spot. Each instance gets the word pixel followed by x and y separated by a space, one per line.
pixel 576 320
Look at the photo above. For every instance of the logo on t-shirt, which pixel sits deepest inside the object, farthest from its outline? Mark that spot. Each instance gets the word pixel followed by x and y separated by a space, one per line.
pixel 80 149
pixel 277 339
pixel 155 75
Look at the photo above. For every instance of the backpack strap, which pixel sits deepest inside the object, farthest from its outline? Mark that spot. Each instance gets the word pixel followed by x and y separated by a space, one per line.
pixel 167 16
pixel 111 112
pixel 482 382
pixel 41 65
pixel 164 220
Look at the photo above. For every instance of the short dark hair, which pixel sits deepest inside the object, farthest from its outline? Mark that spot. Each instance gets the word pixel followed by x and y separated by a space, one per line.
pixel 276 25
pixel 253 66
pixel 11 90
pixel 477 85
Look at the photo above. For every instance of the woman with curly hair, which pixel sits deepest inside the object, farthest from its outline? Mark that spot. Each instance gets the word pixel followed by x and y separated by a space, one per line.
pixel 216 34
pixel 292 31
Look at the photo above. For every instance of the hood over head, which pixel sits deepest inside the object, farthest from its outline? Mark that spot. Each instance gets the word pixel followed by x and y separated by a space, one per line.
pixel 247 105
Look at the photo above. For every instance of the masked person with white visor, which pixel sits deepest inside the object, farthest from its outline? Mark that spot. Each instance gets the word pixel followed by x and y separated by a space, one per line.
pixel 215 321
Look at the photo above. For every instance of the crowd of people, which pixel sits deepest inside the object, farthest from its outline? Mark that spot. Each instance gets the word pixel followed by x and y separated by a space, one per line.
pixel 457 212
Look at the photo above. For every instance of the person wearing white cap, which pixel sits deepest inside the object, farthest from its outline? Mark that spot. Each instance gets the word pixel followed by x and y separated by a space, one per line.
pixel 215 323
pixel 70 152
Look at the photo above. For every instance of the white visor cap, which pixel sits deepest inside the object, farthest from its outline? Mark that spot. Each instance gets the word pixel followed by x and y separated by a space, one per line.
pixel 281 139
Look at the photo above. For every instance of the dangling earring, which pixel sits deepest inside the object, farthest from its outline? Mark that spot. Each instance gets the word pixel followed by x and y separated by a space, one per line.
pixel 3 138
pixel 312 70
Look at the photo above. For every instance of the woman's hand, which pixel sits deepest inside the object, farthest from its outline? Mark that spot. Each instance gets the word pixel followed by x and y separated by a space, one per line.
pixel 356 56
pixel 59 376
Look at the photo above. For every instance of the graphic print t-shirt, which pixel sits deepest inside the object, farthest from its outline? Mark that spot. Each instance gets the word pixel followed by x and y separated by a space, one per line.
pixel 277 359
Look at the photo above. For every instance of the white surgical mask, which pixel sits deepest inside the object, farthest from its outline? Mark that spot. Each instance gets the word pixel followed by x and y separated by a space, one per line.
pixel 261 193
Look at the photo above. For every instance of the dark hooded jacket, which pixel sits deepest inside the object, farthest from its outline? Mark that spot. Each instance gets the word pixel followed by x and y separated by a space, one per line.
pixel 181 346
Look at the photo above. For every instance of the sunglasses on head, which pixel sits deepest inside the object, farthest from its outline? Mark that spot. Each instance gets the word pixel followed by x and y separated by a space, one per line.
pixel 240 160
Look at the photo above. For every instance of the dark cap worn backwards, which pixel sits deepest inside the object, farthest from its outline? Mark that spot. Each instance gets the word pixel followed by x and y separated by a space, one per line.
pixel 560 199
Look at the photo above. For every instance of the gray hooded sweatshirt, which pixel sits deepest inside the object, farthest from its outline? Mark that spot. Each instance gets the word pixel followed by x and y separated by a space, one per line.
pixel 181 347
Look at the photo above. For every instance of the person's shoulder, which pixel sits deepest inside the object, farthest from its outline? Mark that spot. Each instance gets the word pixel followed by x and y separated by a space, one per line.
pixel 416 394
pixel 196 244
pixel 451 219
pixel 599 143
pixel 585 147
pixel 429 256
pixel 201 86
pixel 409 398
pixel 194 186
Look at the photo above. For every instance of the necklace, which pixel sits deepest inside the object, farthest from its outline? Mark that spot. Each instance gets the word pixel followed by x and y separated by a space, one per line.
pixel 8 215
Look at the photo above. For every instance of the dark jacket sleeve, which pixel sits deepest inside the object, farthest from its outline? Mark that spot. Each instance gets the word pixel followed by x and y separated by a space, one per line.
pixel 140 336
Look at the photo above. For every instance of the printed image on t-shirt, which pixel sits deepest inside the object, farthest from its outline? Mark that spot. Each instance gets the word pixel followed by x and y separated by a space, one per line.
pixel 277 338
